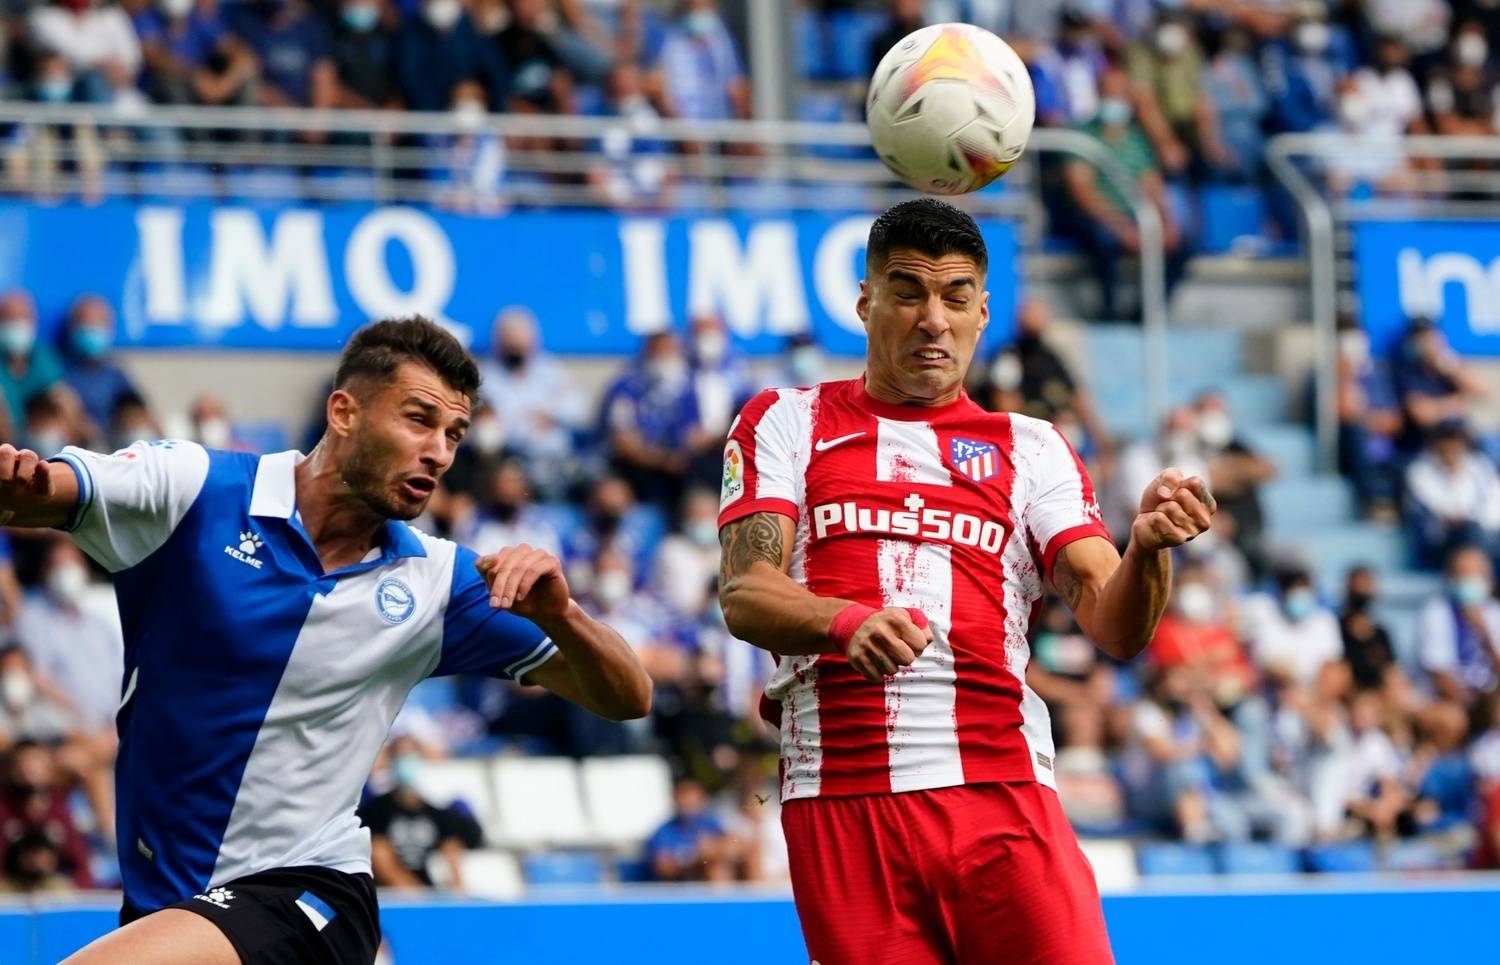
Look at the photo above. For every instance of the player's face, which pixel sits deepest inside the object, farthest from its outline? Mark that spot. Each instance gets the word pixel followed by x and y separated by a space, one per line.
pixel 923 315
pixel 403 439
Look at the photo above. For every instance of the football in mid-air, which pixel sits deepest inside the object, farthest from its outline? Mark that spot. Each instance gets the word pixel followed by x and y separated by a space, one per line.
pixel 950 108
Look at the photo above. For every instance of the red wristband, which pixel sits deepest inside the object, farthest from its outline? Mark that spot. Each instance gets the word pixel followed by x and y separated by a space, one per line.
pixel 841 630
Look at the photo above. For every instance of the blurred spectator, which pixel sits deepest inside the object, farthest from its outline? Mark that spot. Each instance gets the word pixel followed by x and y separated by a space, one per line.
pixel 756 842
pixel 1370 422
pixel 133 422
pixel 539 406
pixel 687 563
pixel 1376 796
pixel 47 428
pixel 721 387
pixel 473 176
pixel 1030 377
pixel 212 426
pixel 291 45
pixel 613 520
pixel 1166 70
pixel 93 376
pixel 802 362
pixel 37 156
pixel 593 35
pixel 363 50
pixel 41 848
pixel 1390 101
pixel 406 830
pixel 1459 629
pixel 10 587
pixel 1454 495
pixel 1236 473
pixel 632 170
pixel 1194 634
pixel 1176 444
pixel 1461 96
pixel 1432 383
pixel 507 516
pixel 538 80
pixel 27 366
pixel 191 58
pixel 31 707
pixel 902 17
pixel 1214 422
pixel 440 48
pixel 1377 105
pixel 1291 634
pixel 650 420
pixel 1066 75
pixel 1090 792
pixel 1367 645
pixel 1445 778
pixel 98 44
pixel 69 644
pixel 1423 24
pixel 1102 222
pixel 699 66
pixel 1232 83
pixel 692 845
pixel 1302 73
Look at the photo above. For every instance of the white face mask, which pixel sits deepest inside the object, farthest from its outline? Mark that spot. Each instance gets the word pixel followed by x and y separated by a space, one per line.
pixel 469 115
pixel 487 436
pixel 1355 347
pixel 176 9
pixel 215 433
pixel 1471 50
pixel 612 588
pixel 669 370
pixel 704 532
pixel 68 583
pixel 1352 111
pixel 1005 372
pixel 1195 602
pixel 17 689
pixel 710 347
pixel 1312 37
pixel 1215 429
pixel 443 14
pixel 1171 39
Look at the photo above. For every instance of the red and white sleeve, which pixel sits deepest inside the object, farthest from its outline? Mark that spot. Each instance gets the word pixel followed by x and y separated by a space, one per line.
pixel 1064 508
pixel 760 459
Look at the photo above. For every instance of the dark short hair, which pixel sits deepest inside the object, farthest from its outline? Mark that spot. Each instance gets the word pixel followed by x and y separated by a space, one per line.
pixel 927 225
pixel 377 349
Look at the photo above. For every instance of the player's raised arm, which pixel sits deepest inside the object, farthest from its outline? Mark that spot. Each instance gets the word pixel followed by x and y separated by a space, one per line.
pixel 33 491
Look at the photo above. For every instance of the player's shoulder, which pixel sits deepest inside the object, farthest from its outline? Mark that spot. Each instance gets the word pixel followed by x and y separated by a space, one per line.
pixel 778 403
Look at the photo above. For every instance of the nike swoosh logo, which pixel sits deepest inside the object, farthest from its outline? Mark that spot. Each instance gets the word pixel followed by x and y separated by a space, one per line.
pixel 823 444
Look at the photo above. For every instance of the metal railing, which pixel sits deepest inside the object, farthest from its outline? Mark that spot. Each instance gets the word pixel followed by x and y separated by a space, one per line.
pixel 1401 178
pixel 533 160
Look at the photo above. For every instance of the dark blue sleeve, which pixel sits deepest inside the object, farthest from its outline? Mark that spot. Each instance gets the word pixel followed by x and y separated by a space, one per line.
pixel 482 640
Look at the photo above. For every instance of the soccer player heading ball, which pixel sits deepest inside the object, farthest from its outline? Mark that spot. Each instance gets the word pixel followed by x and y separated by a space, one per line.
pixel 888 540
pixel 277 610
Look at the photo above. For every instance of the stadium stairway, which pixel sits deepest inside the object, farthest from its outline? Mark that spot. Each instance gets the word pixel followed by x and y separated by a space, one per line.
pixel 1309 513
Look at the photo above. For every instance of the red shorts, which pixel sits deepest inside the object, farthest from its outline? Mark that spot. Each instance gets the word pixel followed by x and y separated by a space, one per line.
pixel 953 876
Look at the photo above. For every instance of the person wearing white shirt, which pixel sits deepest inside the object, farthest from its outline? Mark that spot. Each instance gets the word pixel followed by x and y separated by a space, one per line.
pixel 1459 630
pixel 539 406
pixel 1292 635
pixel 1392 101
pixel 1454 493
pixel 688 561
pixel 98 42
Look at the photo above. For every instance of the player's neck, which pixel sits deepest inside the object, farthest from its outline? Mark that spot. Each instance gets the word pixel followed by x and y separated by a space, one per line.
pixel 886 393
pixel 342 528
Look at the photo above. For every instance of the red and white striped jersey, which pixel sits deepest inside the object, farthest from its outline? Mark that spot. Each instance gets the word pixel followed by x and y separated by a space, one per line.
pixel 950 509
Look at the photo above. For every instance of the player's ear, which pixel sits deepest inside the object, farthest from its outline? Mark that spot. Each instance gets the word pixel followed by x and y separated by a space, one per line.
pixel 343 408
pixel 862 307
pixel 984 310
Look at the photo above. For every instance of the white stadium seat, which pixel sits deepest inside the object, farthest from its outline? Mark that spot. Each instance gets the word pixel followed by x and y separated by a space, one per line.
pixel 627 797
pixel 1113 861
pixel 538 803
pixel 487 873
pixel 464 779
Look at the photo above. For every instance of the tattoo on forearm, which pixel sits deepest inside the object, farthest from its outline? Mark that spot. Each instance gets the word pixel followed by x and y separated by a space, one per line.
pixel 1066 581
pixel 756 537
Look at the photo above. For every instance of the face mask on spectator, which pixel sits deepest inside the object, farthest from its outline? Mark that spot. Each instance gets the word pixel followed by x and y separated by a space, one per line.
pixel 1472 50
pixel 512 359
pixel 54 90
pixel 487 436
pixel 361 17
pixel 17 688
pixel 405 768
pixel 710 347
pixel 612 588
pixel 1312 37
pixel 17 335
pixel 442 14
pixel 48 442
pixel 1352 111
pixel 68 583
pixel 1354 346
pixel 1215 429
pixel 668 370
pixel 90 343
pixel 1195 602
pixel 700 23
pixel 1469 590
pixel 176 9
pixel 703 532
pixel 1171 39
pixel 1299 603
pixel 1114 112
pixel 215 433
pixel 1005 372
pixel 469 115
pixel 806 364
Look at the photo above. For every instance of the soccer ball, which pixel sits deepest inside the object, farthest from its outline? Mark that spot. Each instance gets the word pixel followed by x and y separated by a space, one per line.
pixel 950 108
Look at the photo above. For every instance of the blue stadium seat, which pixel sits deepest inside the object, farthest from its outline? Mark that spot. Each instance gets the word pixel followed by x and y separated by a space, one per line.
pixel 562 868
pixel 1351 857
pixel 1415 855
pixel 1159 860
pixel 1254 858
pixel 851 32
pixel 633 870
pixel 1228 214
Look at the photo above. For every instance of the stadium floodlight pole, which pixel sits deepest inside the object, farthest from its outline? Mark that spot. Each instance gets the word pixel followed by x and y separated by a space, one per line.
pixel 1152 256
pixel 1318 237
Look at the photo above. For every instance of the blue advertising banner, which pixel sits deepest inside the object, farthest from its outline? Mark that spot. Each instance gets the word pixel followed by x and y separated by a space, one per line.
pixel 1446 270
pixel 208 275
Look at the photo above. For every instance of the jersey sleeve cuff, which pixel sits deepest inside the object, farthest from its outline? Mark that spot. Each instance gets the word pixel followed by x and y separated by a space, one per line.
pixel 539 655
pixel 1070 535
pixel 86 489
pixel 766 504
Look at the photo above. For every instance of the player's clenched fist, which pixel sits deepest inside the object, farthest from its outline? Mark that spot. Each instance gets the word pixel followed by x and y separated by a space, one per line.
pixel 883 641
pixel 1174 510
pixel 527 581
pixel 23 476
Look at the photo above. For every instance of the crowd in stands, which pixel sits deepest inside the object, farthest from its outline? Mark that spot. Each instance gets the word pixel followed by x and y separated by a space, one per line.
pixel 1266 709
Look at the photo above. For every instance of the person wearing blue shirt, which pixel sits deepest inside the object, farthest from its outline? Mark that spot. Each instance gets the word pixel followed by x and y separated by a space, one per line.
pixel 276 611
pixel 440 48
pixel 650 421
pixel 190 57
pixel 91 374
pixel 292 47
pixel 1302 74
pixel 692 846
pixel 27 366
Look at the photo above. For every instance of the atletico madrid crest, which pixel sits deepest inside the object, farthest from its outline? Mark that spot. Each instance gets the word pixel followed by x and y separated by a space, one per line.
pixel 975 459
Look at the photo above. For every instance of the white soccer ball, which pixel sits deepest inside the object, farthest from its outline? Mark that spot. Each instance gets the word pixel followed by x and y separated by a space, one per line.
pixel 950 108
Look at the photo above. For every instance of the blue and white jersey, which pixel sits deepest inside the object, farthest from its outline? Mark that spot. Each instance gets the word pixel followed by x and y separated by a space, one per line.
pixel 257 688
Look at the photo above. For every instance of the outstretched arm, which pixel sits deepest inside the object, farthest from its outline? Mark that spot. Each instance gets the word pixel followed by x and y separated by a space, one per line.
pixel 34 492
pixel 1118 600
pixel 764 606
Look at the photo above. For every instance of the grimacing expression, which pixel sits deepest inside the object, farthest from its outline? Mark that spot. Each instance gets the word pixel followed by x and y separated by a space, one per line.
pixel 923 315
pixel 402 438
